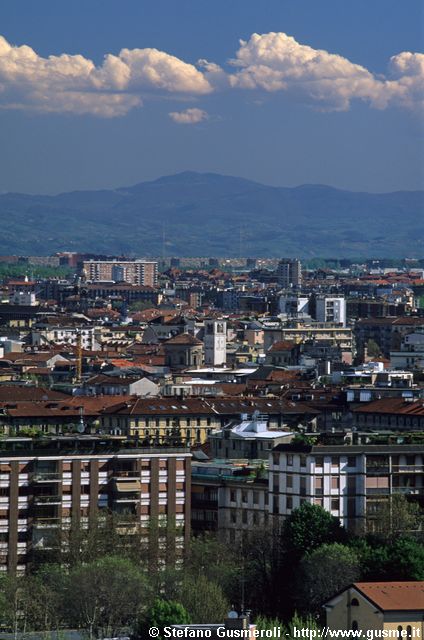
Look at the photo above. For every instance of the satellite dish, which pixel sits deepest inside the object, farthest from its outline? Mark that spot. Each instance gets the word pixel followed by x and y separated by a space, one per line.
pixel 232 614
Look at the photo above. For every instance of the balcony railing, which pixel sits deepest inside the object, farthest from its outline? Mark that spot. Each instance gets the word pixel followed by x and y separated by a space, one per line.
pixel 47 499
pixel 46 476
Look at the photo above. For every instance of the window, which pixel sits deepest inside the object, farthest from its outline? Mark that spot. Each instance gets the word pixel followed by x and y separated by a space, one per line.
pixel 244 496
pixel 289 481
pixel 255 497
pixel 302 460
pixel 232 495
pixel 335 482
pixel 276 459
pixel 244 517
pixel 318 485
pixel 354 625
pixel 319 460
pixel 289 460
pixel 289 503
pixel 354 602
pixel 399 630
pixel 351 461
pixel 335 504
pixel 334 461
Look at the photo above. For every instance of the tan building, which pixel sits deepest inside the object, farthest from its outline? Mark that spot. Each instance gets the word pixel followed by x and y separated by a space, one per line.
pixel 45 485
pixel 138 272
pixel 183 351
pixel 394 607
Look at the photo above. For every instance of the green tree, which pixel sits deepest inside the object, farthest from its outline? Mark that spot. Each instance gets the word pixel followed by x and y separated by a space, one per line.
pixel 373 349
pixel 220 563
pixel 406 559
pixel 373 558
pixel 203 599
pixel 399 516
pixel 323 572
pixel 162 614
pixel 106 596
pixel 310 526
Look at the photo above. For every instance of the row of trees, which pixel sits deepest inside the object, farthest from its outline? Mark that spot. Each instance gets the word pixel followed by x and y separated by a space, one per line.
pixel 107 578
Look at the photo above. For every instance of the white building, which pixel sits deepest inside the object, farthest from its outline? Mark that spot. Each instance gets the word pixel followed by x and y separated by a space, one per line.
pixel 215 342
pixel 294 306
pixel 411 354
pixel 331 309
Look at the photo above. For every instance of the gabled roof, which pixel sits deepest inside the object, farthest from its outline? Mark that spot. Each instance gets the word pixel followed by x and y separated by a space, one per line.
pixel 184 339
pixel 393 596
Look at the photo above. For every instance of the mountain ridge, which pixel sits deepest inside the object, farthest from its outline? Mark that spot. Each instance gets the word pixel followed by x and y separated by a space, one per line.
pixel 202 213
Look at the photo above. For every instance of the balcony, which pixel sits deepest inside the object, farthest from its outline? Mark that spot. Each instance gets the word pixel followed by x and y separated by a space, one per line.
pixel 46 476
pixel 124 474
pixel 41 521
pixel 408 490
pixel 377 491
pixel 47 499
pixel 375 470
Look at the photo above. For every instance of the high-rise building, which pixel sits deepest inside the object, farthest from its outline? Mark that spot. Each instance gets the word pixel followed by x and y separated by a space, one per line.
pixel 139 272
pixel 289 273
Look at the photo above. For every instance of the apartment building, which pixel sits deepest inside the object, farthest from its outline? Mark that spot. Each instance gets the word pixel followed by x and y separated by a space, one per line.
pixel 139 272
pixel 289 273
pixel 47 484
pixel 353 483
pixel 194 419
pixel 229 498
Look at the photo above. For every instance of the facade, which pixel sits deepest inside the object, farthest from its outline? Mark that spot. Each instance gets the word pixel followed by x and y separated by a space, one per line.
pixel 183 351
pixel 138 272
pixel 289 273
pixel 65 335
pixel 395 414
pixel 411 353
pixel 229 498
pixel 46 485
pixel 353 483
pixel 396 608
pixel 330 309
pixel 294 305
pixel 215 342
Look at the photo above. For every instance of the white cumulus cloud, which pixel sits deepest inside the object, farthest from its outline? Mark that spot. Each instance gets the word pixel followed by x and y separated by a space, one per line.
pixel 277 62
pixel 268 63
pixel 74 84
pixel 189 116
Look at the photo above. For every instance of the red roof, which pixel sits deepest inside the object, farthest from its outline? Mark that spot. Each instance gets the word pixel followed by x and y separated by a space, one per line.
pixel 394 596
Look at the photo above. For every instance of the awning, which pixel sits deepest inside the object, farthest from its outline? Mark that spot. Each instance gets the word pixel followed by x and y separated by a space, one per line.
pixel 123 487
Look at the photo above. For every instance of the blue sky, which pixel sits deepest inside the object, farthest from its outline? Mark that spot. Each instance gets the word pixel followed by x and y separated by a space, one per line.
pixel 334 97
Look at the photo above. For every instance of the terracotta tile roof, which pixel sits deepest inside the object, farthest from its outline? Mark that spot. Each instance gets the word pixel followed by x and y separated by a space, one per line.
pixel 282 345
pixel 393 406
pixel 394 596
pixel 17 393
